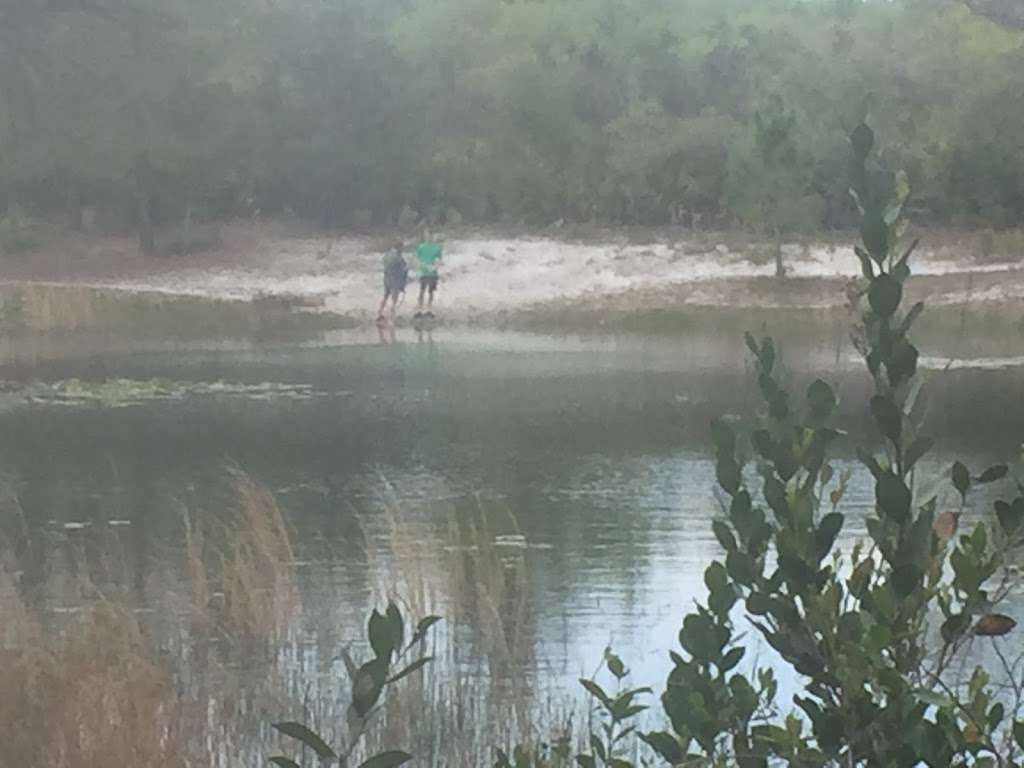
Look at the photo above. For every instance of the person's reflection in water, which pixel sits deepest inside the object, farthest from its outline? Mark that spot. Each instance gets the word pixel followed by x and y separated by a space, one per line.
pixel 425 334
pixel 386 333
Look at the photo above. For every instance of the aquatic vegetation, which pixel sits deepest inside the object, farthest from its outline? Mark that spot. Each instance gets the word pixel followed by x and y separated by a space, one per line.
pixel 239 563
pixel 120 393
pixel 386 635
pixel 89 697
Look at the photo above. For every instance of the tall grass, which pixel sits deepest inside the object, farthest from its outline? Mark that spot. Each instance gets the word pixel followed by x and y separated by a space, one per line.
pixel 87 686
pixel 89 695
pixel 482 691
pixel 240 563
pixel 111 680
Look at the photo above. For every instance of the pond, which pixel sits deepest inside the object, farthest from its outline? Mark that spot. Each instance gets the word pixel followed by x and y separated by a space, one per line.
pixel 549 496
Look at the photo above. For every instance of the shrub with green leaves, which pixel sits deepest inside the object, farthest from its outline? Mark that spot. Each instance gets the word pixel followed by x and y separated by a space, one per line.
pixel 386 633
pixel 856 628
pixel 877 636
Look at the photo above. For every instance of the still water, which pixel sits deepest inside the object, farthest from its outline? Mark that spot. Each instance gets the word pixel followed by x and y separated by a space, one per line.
pixel 575 468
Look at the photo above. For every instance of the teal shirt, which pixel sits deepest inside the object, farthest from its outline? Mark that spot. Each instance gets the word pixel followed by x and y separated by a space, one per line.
pixel 427 256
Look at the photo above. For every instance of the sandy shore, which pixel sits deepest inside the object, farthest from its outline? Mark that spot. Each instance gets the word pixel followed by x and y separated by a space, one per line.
pixel 486 276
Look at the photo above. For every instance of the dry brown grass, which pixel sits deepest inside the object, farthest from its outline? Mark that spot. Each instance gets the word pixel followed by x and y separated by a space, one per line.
pixel 240 563
pixel 87 696
pixel 86 688
pixel 90 689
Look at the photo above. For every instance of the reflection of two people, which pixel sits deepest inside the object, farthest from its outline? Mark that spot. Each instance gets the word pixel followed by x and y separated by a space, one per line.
pixel 387 335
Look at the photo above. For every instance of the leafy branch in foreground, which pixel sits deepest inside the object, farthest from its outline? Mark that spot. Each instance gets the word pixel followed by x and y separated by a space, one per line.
pixel 873 634
pixel 386 635
pixel 857 628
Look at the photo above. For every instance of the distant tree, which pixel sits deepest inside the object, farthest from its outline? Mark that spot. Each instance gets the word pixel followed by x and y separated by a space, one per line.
pixel 771 180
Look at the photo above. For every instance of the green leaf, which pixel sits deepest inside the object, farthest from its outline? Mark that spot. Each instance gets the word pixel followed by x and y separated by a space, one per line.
pixel 379 632
pixel 731 659
pixel 821 399
pixel 901 187
pixel 767 356
pixel 752 344
pixel 912 315
pixel 366 687
pixel 596 691
pixel 850 627
pixel 870 462
pixel 902 363
pixel 917 449
pixel 284 762
pixel 867 268
pixel 825 534
pixel 727 473
pixel 875 233
pixel 961 478
pixel 715 577
pixel 306 736
pixel 954 627
pixel 885 295
pixel 396 625
pixel 586 761
pixel 1018 733
pixel 418 664
pixel 992 474
pixel 740 567
pixel 724 535
pixel 996 715
pixel 615 666
pixel 762 442
pixel 905 579
pixel 744 696
pixel 893 497
pixel 862 139
pixel 702 638
pixel 665 745
pixel 387 760
pixel 1011 516
pixel 758 603
pixel 423 627
pixel 887 417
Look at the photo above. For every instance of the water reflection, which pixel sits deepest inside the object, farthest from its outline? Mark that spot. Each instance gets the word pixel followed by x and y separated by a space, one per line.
pixel 548 500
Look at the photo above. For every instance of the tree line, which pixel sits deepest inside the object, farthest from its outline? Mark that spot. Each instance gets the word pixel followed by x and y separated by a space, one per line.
pixel 709 113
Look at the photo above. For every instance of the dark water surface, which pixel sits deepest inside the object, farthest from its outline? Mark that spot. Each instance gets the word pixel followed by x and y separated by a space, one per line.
pixel 586 459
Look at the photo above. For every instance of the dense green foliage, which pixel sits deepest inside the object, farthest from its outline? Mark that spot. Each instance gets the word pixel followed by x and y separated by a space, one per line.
pixel 716 112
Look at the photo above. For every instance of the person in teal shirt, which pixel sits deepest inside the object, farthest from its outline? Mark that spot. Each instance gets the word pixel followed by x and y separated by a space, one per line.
pixel 428 256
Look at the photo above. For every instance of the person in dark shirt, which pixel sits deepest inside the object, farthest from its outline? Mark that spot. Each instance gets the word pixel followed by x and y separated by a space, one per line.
pixel 396 275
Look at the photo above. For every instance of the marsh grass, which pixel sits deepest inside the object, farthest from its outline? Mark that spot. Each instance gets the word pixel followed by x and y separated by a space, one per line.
pixel 239 563
pixel 87 694
pixel 97 673
pixel 482 691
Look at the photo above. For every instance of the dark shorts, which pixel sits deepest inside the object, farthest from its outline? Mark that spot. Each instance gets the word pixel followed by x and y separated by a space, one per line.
pixel 429 282
pixel 393 285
